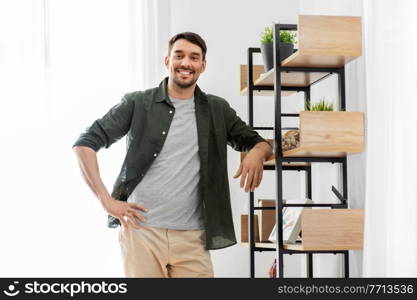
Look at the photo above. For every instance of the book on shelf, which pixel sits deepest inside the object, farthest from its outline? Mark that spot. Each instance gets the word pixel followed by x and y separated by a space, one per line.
pixel 291 221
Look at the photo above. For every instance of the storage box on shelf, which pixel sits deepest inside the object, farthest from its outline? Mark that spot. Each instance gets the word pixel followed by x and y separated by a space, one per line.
pixel 330 229
pixel 327 230
pixel 329 134
pixel 326 41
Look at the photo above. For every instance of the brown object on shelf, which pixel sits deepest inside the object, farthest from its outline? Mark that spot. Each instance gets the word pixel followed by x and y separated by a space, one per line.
pixel 329 134
pixel 244 228
pixel 266 219
pixel 290 140
pixel 331 229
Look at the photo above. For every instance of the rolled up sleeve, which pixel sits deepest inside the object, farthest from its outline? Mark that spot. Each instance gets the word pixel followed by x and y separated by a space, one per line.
pixel 110 128
pixel 240 136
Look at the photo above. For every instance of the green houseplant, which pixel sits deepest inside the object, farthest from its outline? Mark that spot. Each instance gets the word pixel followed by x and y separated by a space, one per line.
pixel 286 46
pixel 321 105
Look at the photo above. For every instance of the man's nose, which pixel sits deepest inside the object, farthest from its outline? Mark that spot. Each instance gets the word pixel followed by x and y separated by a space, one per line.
pixel 186 62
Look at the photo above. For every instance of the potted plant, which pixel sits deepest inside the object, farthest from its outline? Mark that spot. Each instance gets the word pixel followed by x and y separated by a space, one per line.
pixel 286 46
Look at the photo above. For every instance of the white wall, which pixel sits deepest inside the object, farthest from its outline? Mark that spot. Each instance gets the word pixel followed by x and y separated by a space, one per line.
pixel 229 28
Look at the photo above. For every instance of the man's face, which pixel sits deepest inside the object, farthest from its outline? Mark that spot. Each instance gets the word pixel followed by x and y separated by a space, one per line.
pixel 185 63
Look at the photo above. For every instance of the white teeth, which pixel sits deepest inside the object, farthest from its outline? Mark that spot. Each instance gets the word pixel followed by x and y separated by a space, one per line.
pixel 185 72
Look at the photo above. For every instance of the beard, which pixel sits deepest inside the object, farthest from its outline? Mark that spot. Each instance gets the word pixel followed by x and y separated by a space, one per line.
pixel 183 85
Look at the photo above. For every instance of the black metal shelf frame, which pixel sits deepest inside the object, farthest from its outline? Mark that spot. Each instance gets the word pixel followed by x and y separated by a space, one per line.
pixel 279 159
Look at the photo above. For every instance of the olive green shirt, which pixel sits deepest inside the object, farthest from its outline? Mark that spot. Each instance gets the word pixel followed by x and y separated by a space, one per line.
pixel 144 116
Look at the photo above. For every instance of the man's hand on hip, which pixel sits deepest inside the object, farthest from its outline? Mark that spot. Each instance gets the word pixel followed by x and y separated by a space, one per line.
pixel 122 209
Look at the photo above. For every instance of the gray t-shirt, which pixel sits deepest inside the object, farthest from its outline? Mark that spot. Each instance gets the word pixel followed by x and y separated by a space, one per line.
pixel 170 187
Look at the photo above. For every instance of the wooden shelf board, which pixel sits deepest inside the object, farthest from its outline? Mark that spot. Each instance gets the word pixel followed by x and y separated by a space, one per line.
pixel 316 59
pixel 300 247
pixel 271 161
pixel 257 71
pixel 290 79
pixel 315 152
pixel 294 164
pixel 261 245
pixel 244 92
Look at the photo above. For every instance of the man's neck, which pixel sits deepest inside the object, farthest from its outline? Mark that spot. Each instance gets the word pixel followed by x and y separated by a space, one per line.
pixel 177 92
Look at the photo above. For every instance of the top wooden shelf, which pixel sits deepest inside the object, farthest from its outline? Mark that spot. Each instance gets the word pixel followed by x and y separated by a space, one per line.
pixel 323 42
pixel 326 42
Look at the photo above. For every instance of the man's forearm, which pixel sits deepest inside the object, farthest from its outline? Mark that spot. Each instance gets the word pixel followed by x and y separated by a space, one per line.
pixel 87 160
pixel 264 148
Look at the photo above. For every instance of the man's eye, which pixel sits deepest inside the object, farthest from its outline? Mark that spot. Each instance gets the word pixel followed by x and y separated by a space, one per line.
pixel 194 58
pixel 177 56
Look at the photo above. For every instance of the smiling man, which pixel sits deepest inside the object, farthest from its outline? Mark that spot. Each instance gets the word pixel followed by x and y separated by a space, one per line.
pixel 172 196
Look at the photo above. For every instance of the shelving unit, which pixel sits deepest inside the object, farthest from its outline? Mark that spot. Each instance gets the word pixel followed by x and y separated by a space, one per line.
pixel 326 44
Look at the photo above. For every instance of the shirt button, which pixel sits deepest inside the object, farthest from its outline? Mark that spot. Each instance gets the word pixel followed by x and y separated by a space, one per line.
pixel 163 132
pixel 142 175
pixel 170 111
pixel 155 154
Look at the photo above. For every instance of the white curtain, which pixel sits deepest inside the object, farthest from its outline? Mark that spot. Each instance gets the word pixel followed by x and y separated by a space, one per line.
pixel 63 64
pixel 391 182
pixel 151 21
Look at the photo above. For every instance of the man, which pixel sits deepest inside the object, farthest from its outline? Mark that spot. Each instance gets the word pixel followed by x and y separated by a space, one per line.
pixel 172 194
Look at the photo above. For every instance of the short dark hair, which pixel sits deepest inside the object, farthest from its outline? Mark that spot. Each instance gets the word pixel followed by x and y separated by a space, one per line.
pixel 192 38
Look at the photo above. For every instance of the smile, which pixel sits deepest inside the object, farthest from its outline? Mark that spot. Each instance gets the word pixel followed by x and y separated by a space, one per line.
pixel 185 72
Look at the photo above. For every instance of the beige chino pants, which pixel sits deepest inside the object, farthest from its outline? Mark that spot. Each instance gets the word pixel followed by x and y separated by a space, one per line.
pixel 157 252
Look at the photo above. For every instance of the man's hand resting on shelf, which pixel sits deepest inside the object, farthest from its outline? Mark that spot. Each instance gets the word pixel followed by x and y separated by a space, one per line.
pixel 251 168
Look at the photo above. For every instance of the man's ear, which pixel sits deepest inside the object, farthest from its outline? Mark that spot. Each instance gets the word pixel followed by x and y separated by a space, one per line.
pixel 166 60
pixel 203 66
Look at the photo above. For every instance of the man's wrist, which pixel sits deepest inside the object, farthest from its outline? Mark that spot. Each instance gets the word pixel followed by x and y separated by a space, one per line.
pixel 105 200
pixel 264 149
